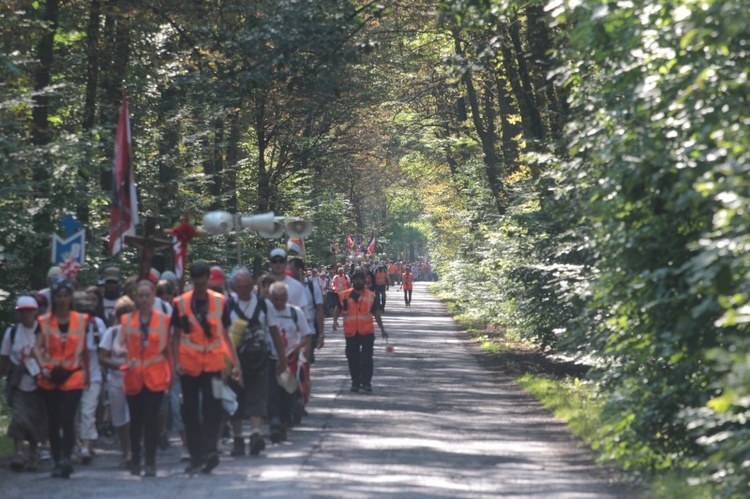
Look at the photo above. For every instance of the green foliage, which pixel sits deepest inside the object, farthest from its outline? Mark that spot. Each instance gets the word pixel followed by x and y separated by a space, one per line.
pixel 656 178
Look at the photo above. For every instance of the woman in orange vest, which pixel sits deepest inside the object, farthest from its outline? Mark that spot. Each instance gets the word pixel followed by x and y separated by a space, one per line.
pixel 407 283
pixel 358 307
pixel 61 351
pixel 148 374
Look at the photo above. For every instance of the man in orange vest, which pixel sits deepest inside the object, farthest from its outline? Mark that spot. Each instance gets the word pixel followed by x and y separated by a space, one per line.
pixel 358 307
pixel 380 285
pixel 407 283
pixel 148 374
pixel 201 344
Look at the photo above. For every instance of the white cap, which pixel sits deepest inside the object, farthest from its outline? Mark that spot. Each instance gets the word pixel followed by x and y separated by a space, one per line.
pixel 170 276
pixel 54 271
pixel 278 252
pixel 26 302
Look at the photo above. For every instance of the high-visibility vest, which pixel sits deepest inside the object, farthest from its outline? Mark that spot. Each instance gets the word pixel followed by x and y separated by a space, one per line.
pixel 391 269
pixel 340 283
pixel 357 314
pixel 147 362
pixel 198 352
pixel 381 277
pixel 64 354
pixel 408 280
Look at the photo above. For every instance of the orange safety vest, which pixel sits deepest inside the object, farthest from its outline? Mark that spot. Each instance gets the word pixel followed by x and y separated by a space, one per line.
pixel 340 283
pixel 64 354
pixel 197 352
pixel 381 277
pixel 357 314
pixel 146 359
pixel 392 269
pixel 399 268
pixel 408 280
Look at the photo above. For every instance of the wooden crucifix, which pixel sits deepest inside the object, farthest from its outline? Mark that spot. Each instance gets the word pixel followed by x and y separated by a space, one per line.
pixel 148 244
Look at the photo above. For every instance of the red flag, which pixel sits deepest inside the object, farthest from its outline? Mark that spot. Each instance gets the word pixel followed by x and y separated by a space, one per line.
pixel 349 243
pixel 297 244
pixel 123 213
pixel 371 246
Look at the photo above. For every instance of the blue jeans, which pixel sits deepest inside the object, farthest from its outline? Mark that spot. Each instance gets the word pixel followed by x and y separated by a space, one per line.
pixel 359 350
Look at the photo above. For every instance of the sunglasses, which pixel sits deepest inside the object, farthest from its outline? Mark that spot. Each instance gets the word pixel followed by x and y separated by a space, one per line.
pixel 278 260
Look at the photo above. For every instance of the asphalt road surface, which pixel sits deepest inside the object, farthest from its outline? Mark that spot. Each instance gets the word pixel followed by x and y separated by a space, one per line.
pixel 436 425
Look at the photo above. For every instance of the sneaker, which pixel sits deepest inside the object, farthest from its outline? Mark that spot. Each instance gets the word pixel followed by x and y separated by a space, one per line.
pixel 44 454
pixel 66 469
pixel 56 472
pixel 354 388
pixel 86 456
pixel 275 434
pixel 257 444
pixel 184 456
pixel 149 470
pixel 18 463
pixel 367 388
pixel 193 468
pixel 239 447
pixel 32 463
pixel 135 468
pixel 211 462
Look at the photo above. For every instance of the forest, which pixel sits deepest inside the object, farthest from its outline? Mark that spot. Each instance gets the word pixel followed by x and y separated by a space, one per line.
pixel 577 170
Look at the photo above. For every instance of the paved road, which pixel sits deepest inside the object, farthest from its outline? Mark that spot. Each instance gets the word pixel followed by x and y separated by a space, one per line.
pixel 436 425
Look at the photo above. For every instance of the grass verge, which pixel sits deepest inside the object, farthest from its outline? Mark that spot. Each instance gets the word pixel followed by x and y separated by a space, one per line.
pixel 562 388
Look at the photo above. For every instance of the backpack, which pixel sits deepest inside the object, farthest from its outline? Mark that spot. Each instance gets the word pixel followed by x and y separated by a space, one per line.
pixel 253 348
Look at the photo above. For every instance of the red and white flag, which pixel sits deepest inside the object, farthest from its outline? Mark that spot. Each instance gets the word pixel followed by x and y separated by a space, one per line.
pixel 297 244
pixel 349 243
pixel 371 245
pixel 123 213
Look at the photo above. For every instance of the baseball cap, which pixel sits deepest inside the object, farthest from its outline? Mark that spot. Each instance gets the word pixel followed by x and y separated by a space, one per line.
pixel 278 252
pixel 54 271
pixel 26 302
pixel 154 275
pixel 111 274
pixel 170 276
pixel 216 275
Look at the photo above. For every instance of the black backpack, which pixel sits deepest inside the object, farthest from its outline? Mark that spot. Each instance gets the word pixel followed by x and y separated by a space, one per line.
pixel 253 348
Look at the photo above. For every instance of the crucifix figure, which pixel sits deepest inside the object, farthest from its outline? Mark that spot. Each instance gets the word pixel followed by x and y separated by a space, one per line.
pixel 148 244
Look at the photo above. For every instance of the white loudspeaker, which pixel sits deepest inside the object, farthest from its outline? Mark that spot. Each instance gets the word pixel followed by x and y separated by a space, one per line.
pixel 275 232
pixel 218 222
pixel 297 227
pixel 260 223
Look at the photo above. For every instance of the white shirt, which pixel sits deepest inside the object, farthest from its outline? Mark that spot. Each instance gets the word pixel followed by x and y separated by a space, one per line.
pixel 248 308
pixel 292 332
pixel 312 301
pixel 95 371
pixel 297 295
pixel 109 308
pixel 110 342
pixel 22 349
pixel 162 306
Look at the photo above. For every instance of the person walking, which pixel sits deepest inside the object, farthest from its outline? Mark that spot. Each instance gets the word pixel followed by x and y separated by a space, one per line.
pixel 61 351
pixel 407 284
pixel 358 307
pixel 28 414
pixel 200 345
pixel 295 338
pixel 251 310
pixel 380 285
pixel 148 374
pixel 113 355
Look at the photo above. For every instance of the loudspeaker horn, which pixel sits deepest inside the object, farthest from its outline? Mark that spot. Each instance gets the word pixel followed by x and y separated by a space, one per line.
pixel 275 232
pixel 297 227
pixel 264 222
pixel 218 222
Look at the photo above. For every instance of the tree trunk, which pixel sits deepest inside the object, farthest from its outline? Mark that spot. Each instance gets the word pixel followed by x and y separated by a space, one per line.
pixel 92 65
pixel 41 135
pixel 485 128
pixel 520 80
